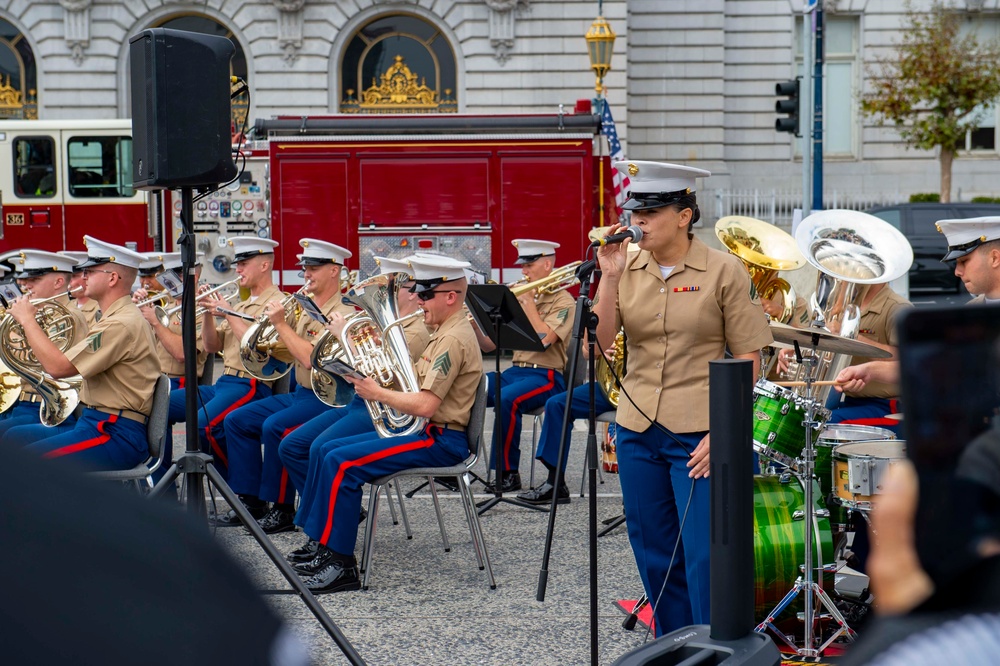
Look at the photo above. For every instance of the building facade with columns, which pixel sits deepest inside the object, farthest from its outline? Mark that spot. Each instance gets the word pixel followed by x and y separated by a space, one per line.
pixel 692 81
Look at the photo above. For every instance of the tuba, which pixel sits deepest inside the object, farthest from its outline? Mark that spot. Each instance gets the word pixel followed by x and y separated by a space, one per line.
pixel 59 397
pixel 375 345
pixel 260 339
pixel 764 249
pixel 851 251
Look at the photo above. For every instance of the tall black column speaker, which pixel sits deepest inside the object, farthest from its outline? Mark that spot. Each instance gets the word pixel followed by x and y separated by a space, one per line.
pixel 181 113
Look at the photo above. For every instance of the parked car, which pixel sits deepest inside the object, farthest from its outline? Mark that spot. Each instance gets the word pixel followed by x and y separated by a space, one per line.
pixel 916 221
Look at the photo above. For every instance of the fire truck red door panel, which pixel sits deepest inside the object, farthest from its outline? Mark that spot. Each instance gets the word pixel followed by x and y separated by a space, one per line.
pixel 544 197
pixel 311 201
pixel 412 189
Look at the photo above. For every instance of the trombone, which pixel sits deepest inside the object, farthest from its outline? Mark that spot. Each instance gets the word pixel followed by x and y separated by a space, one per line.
pixel 165 315
pixel 559 279
pixel 159 296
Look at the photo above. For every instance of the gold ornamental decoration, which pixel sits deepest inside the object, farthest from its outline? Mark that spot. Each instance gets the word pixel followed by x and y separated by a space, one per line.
pixel 12 104
pixel 399 92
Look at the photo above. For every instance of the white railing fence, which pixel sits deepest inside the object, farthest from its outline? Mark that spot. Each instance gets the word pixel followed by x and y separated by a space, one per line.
pixel 777 206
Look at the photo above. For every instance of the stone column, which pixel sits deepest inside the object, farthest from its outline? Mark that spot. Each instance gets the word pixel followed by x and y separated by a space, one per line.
pixel 76 22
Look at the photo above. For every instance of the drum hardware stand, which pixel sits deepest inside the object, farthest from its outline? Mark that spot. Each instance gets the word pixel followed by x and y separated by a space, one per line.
pixel 193 466
pixel 813 590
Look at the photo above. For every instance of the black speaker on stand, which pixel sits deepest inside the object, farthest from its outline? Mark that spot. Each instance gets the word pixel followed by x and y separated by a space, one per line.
pixel 182 139
pixel 730 640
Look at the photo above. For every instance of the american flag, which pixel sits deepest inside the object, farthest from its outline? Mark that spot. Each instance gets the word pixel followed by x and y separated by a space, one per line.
pixel 621 181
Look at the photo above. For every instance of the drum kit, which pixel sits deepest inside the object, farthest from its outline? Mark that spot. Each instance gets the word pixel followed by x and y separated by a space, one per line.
pixel 815 475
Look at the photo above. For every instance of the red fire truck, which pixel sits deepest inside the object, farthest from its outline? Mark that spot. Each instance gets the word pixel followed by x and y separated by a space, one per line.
pixel 461 185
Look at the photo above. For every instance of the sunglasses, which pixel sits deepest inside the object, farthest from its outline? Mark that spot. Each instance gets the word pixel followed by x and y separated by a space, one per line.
pixel 88 271
pixel 428 295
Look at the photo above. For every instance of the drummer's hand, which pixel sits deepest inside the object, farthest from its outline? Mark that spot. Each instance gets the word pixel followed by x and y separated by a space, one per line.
pixel 784 357
pixel 699 460
pixel 897 579
pixel 611 258
pixel 853 378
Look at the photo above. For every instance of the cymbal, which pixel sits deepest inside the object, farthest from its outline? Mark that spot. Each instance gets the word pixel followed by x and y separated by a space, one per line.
pixel 809 338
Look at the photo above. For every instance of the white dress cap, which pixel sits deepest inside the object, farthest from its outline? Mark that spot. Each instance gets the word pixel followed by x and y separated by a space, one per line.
pixel 245 247
pixel 657 184
pixel 429 272
pixel 32 263
pixel 317 252
pixel 172 260
pixel 151 264
pixel 390 265
pixel 100 252
pixel 77 257
pixel 529 250
pixel 966 235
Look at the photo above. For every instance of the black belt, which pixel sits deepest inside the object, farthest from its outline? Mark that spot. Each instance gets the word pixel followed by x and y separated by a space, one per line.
pixel 449 426
pixel 138 417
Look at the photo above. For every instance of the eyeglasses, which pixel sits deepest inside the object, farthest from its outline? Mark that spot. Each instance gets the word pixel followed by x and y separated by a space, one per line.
pixel 88 271
pixel 428 295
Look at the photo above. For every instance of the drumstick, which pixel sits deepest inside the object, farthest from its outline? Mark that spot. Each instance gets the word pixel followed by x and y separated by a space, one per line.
pixel 823 383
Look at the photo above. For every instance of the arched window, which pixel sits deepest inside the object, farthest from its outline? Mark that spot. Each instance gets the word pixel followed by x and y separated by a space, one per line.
pixel 398 64
pixel 18 83
pixel 238 67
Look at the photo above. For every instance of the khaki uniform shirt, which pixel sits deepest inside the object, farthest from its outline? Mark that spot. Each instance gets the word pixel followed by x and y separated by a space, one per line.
pixel 557 311
pixel 91 311
pixel 878 323
pixel 80 331
pixel 170 366
pixel 451 368
pixel 417 337
pixel 231 343
pixel 309 329
pixel 978 300
pixel 675 327
pixel 118 360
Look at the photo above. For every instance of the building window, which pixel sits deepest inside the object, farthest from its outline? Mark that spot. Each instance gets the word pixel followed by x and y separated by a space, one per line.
pixel 100 166
pixel 398 64
pixel 237 67
pixel 18 87
pixel 840 84
pixel 34 167
pixel 986 29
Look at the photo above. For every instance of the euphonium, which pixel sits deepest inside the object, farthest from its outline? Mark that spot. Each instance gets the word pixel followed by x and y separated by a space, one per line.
pixel 259 341
pixel 609 372
pixel 59 396
pixel 559 279
pixel 375 345
pixel 851 251
pixel 764 249
pixel 10 381
pixel 330 388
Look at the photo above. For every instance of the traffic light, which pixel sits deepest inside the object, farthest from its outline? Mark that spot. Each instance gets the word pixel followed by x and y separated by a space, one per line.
pixel 788 106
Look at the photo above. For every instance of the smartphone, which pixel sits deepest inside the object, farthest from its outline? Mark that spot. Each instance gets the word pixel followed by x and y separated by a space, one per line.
pixel 950 389
pixel 338 367
pixel 309 306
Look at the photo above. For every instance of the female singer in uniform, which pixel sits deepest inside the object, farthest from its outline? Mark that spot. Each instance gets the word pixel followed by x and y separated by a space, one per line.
pixel 681 305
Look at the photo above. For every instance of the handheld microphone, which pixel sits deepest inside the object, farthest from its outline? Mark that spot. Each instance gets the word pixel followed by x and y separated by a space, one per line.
pixel 633 234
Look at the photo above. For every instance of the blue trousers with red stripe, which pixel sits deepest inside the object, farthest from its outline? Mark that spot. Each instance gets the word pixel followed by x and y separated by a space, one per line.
pixel 265 422
pixel 353 461
pixel 553 426
pixel 98 440
pixel 652 466
pixel 521 390
pixel 23 425
pixel 867 411
pixel 216 402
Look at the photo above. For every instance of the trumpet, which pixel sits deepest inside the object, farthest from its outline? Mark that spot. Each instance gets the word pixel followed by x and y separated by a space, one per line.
pixel 559 279
pixel 165 315
pixel 157 296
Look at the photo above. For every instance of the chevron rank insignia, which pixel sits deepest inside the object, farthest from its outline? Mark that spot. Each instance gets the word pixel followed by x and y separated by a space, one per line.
pixel 442 364
pixel 94 341
pixel 562 315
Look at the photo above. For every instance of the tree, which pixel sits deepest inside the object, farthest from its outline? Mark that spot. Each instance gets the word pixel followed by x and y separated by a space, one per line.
pixel 934 86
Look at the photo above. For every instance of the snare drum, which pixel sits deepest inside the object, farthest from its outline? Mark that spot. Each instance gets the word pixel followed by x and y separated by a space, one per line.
pixel 830 437
pixel 858 469
pixel 778 542
pixel 778 433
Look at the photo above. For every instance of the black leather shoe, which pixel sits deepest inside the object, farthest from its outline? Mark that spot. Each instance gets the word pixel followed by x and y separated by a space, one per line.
pixel 511 482
pixel 304 553
pixel 543 494
pixel 230 519
pixel 335 577
pixel 323 557
pixel 277 520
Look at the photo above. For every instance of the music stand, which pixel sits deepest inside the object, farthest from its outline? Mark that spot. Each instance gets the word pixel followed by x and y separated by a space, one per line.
pixel 501 317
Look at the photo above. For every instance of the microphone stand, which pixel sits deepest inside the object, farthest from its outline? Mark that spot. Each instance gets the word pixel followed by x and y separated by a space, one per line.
pixel 585 320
